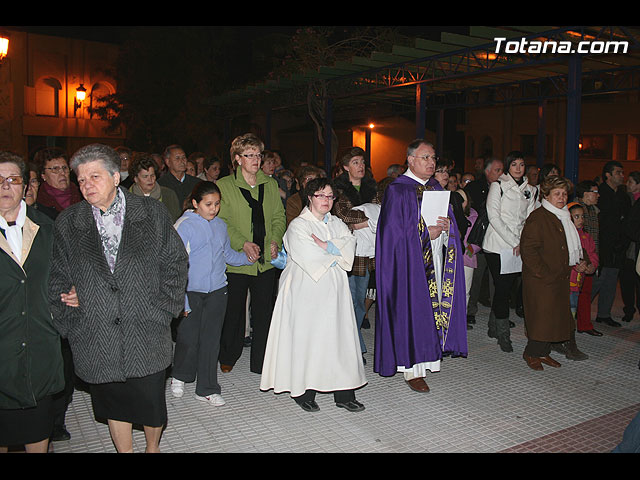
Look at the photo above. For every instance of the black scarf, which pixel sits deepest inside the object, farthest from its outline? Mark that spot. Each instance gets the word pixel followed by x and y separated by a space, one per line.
pixel 257 218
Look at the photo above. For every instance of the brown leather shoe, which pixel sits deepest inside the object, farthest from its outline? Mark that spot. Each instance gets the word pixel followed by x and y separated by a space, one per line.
pixel 533 362
pixel 550 361
pixel 226 368
pixel 418 385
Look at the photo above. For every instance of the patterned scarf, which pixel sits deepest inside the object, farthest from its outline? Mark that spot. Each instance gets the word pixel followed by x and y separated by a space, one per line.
pixel 109 226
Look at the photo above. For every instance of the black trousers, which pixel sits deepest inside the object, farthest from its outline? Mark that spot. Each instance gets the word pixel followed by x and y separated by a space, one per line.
pixel 198 341
pixel 503 284
pixel 62 400
pixel 261 288
pixel 630 287
pixel 340 396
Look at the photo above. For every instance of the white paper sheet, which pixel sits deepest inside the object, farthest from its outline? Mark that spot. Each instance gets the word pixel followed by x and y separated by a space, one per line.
pixel 510 263
pixel 434 204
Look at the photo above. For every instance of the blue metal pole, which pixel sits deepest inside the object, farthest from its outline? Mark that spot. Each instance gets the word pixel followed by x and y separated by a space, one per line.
pixel 267 134
pixel 574 95
pixel 542 134
pixel 328 125
pixel 421 102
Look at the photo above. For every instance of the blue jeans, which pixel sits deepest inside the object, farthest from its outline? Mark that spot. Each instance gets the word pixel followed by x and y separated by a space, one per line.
pixel 358 286
pixel 631 438
pixel 573 301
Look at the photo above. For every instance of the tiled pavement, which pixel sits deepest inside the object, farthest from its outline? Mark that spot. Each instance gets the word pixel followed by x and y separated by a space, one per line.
pixel 489 402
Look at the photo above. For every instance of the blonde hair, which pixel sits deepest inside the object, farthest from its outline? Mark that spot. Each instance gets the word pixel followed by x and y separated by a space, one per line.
pixel 242 142
pixel 553 182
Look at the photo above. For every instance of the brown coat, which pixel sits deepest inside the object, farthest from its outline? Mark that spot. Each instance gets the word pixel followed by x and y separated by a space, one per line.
pixel 545 278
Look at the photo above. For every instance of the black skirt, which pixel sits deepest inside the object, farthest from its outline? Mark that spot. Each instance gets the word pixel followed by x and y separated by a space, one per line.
pixel 27 425
pixel 139 401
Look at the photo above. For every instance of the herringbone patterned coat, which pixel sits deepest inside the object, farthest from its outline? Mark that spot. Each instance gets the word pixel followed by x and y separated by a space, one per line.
pixel 122 328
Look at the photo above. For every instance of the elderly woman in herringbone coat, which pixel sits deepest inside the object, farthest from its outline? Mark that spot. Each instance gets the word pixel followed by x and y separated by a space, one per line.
pixel 118 277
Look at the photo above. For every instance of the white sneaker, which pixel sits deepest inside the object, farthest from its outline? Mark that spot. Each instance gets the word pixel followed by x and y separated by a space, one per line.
pixel 177 387
pixel 214 399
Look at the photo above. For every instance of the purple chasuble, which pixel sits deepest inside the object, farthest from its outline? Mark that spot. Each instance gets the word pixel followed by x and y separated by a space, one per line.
pixel 411 325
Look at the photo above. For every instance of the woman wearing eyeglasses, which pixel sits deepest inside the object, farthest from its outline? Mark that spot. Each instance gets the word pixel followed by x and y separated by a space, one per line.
pixel 57 190
pixel 313 343
pixel 30 356
pixel 253 211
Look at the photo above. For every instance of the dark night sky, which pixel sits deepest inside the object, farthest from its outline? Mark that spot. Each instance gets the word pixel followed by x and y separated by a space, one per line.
pixel 115 34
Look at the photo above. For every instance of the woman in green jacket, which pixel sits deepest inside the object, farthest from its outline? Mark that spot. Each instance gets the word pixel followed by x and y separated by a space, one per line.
pixel 30 356
pixel 255 218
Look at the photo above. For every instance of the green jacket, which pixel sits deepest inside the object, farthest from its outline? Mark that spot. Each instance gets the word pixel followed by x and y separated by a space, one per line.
pixel 236 213
pixel 30 356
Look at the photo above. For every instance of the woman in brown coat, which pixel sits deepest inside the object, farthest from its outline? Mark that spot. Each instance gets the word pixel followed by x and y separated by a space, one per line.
pixel 550 246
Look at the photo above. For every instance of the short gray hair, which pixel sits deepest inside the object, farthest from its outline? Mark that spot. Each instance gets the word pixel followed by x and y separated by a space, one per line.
pixel 414 145
pixel 11 157
pixel 97 152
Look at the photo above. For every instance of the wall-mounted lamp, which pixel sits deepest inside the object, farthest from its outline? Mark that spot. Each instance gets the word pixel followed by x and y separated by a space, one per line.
pixel 4 47
pixel 81 94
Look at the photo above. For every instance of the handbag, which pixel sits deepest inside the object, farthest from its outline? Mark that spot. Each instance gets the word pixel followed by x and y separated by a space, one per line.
pixel 477 233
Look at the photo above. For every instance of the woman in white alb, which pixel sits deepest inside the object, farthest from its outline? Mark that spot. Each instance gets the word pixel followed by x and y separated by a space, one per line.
pixel 313 343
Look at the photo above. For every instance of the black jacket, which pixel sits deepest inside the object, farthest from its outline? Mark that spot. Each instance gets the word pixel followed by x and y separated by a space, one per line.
pixel 30 357
pixel 614 208
pixel 477 191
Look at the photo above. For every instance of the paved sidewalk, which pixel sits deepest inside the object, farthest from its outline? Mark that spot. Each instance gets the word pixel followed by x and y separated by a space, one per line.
pixel 488 402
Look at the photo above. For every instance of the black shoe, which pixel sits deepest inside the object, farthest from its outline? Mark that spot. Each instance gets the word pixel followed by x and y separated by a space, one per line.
pixel 60 434
pixel 309 406
pixel 364 360
pixel 247 341
pixel 469 326
pixel 351 405
pixel 627 318
pixel 608 321
pixel 520 311
pixel 593 332
pixel 511 324
pixel 366 324
pixel 471 319
pixel 505 344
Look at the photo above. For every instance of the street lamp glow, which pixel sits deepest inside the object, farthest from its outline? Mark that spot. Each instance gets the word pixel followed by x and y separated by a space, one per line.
pixel 4 47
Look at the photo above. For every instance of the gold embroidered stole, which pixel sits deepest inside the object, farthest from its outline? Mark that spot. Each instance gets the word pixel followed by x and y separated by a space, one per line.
pixel 441 307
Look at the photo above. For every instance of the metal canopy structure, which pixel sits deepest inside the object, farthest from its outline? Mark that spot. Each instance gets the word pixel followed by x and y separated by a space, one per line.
pixel 533 64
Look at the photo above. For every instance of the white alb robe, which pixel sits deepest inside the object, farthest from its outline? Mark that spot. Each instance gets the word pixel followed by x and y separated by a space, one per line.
pixel 313 341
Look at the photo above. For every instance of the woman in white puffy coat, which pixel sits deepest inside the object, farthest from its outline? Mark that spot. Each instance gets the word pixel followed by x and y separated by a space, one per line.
pixel 510 201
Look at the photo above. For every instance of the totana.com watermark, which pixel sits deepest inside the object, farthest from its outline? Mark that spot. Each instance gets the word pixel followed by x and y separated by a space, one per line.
pixel 524 46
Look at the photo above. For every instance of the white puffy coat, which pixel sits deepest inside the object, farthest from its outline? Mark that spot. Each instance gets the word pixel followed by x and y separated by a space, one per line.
pixel 508 206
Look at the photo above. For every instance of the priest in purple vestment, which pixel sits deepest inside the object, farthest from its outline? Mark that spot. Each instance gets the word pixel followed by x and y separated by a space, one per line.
pixel 421 297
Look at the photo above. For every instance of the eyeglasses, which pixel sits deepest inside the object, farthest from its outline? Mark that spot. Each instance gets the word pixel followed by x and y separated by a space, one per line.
pixel 257 156
pixel 321 196
pixel 427 157
pixel 442 170
pixel 58 169
pixel 592 191
pixel 11 180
